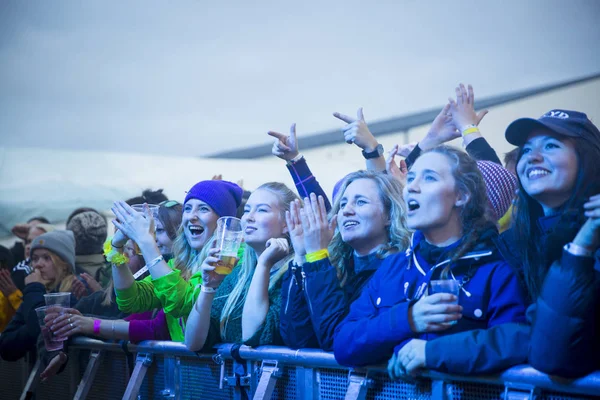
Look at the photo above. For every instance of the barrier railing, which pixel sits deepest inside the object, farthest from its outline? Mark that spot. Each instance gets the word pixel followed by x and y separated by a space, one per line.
pixel 159 370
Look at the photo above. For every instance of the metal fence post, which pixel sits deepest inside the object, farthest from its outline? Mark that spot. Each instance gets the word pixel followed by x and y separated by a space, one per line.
pixel 32 382
pixel 268 379
pixel 519 391
pixel 172 378
pixel 358 384
pixel 88 376
pixel 143 361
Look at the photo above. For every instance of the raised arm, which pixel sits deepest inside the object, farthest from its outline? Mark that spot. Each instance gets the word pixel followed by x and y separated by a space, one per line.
pixel 286 148
pixel 357 132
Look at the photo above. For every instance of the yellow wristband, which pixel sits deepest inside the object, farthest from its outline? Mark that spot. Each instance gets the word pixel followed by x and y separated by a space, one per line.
pixel 468 131
pixel 317 255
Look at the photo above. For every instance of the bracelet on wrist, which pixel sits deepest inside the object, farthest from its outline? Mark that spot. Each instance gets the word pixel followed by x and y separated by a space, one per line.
pixel 469 129
pixel 97 327
pixel 578 250
pixel 296 159
pixel 317 255
pixel 207 289
pixel 112 255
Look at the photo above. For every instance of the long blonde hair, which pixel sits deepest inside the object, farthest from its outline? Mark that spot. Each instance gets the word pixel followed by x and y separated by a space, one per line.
pixel 398 234
pixel 186 258
pixel 64 275
pixel 237 296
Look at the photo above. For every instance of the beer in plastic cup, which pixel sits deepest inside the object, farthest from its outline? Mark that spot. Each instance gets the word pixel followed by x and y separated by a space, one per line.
pixel 229 236
pixel 51 342
pixel 140 208
pixel 445 286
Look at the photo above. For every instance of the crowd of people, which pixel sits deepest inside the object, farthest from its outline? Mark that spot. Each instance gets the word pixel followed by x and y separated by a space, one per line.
pixel 354 272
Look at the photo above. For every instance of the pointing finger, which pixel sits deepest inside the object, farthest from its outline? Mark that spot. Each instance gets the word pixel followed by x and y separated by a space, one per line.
pixel 277 135
pixel 343 117
pixel 360 114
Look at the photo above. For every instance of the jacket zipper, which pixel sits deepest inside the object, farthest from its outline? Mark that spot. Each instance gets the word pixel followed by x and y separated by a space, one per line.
pixel 287 303
pixel 305 291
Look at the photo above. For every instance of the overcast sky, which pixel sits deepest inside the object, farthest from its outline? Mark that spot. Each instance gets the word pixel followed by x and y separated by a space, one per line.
pixel 198 77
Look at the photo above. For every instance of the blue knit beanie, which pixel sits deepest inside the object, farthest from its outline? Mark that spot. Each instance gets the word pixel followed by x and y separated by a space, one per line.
pixel 222 196
pixel 62 243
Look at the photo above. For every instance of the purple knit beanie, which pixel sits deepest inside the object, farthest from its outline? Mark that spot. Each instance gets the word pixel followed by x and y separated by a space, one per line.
pixel 222 196
pixel 500 186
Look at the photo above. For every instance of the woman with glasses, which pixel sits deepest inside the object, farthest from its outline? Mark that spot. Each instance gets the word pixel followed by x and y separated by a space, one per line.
pixel 453 241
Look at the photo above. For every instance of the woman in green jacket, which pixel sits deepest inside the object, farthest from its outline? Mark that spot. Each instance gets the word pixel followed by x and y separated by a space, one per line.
pixel 175 287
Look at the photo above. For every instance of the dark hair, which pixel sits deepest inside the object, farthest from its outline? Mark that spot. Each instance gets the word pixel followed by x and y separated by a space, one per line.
pixel 475 215
pixel 43 220
pixel 512 156
pixel 7 260
pixel 81 210
pixel 148 196
pixel 536 254
pixel 170 218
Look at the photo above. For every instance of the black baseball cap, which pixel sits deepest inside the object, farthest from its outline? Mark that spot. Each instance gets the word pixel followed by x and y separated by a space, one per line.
pixel 562 122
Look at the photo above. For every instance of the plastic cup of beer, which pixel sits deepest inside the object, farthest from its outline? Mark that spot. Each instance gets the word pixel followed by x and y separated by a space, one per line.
pixel 140 208
pixel 445 286
pixel 229 236
pixel 51 342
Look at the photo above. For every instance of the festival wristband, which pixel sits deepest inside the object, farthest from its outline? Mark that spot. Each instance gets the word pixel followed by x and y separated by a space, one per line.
pixel 96 327
pixel 469 129
pixel 317 255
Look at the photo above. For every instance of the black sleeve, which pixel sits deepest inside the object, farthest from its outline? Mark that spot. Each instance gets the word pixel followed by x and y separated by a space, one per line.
pixel 480 150
pixel 564 338
pixel 20 336
pixel 412 157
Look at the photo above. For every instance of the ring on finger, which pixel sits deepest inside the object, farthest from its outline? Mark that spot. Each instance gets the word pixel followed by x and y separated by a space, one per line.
pixel 71 325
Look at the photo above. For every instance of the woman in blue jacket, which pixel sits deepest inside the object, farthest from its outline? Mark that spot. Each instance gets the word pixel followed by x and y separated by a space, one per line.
pixel 448 208
pixel 321 284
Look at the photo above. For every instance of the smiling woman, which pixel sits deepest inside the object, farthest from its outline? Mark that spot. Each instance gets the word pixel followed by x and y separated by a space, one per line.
pixel 172 286
pixel 556 237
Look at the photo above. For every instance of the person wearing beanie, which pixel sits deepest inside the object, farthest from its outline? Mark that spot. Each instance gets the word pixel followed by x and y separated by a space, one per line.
pixel 174 286
pixel 53 260
pixel 90 230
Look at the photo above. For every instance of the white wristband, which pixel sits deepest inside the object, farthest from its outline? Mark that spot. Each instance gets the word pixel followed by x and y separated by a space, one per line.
pixel 578 250
pixel 154 262
pixel 207 289
pixel 295 159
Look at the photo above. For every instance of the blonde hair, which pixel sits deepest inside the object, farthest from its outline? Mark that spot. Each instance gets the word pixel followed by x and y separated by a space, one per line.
pixel 398 234
pixel 237 296
pixel 64 274
pixel 186 258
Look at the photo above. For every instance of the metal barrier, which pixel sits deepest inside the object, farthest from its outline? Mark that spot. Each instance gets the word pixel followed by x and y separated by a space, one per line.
pixel 101 370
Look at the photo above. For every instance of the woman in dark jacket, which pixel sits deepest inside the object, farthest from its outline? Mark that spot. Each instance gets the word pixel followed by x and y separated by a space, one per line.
pixel 448 207
pixel 321 284
pixel 53 260
pixel 556 236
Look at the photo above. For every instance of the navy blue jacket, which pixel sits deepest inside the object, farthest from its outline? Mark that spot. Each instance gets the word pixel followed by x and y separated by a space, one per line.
pixel 314 303
pixel 20 336
pixel 377 324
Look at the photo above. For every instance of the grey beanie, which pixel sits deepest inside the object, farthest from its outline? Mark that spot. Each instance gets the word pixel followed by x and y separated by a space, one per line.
pixel 62 243
pixel 90 230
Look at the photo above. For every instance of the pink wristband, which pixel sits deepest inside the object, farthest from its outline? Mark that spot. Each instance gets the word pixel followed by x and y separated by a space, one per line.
pixel 96 327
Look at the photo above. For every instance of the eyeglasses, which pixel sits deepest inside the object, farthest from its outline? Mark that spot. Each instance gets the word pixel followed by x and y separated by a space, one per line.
pixel 168 203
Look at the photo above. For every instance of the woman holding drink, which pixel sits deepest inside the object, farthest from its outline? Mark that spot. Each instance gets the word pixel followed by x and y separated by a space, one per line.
pixel 328 275
pixel 243 306
pixel 453 240
pixel 53 260
pixel 172 288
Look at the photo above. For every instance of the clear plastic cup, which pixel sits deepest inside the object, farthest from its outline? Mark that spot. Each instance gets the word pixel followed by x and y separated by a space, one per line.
pixel 61 299
pixel 445 286
pixel 229 235
pixel 140 208
pixel 51 342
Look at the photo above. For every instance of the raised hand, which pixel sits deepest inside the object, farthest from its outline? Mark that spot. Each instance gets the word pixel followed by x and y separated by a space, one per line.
pixel 36 276
pixel 434 313
pixel 398 171
pixel 7 286
pixel 405 149
pixel 79 289
pixel 133 224
pixel 463 109
pixel 294 225
pixel 285 146
pixel 21 230
pixel 442 130
pixel 589 234
pixel 318 231
pixel 276 250
pixel 357 131
pixel 92 283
